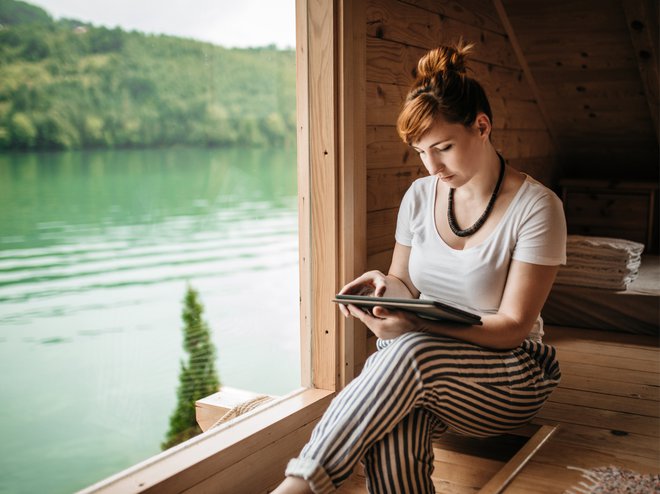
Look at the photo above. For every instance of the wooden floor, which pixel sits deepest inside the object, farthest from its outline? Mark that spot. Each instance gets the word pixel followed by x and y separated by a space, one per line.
pixel 607 408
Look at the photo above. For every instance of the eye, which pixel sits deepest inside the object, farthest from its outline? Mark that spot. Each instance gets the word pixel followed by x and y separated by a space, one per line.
pixel 446 148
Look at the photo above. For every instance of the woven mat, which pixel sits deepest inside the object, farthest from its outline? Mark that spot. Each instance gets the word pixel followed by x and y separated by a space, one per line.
pixel 614 480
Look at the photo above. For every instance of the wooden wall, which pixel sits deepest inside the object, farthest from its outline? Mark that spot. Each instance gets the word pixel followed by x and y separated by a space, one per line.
pixel 572 84
pixel 398 33
pixel 595 64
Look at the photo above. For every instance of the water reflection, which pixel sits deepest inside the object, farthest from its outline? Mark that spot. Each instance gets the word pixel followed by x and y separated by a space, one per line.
pixel 95 251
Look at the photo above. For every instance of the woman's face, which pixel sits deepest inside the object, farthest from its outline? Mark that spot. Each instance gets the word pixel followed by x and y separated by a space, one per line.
pixel 453 152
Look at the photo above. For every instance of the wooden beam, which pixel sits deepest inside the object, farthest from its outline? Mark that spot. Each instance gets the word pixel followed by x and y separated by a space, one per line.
pixel 280 430
pixel 504 18
pixel 304 193
pixel 642 21
pixel 506 474
pixel 352 172
pixel 324 196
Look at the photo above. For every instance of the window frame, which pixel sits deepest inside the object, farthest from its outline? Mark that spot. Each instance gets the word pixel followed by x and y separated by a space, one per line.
pixel 331 134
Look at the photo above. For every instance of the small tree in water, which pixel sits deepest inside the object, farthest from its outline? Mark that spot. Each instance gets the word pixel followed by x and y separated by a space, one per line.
pixel 198 377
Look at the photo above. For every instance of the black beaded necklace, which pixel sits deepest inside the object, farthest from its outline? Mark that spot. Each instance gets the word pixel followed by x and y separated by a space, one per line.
pixel 482 219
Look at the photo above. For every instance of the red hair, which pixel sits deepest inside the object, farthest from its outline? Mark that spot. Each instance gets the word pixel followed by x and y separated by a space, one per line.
pixel 442 89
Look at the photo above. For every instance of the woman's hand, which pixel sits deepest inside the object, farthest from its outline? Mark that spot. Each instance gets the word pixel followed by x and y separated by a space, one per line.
pixel 371 283
pixel 387 324
pixel 375 284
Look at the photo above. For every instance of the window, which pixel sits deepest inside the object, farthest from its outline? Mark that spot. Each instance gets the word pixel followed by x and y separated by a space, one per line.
pixel 331 181
pixel 112 249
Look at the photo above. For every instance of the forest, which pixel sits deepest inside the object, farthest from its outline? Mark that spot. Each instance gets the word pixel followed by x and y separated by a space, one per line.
pixel 67 84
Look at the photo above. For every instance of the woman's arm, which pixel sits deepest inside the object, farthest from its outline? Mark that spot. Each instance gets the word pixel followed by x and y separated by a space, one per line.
pixel 399 272
pixel 527 288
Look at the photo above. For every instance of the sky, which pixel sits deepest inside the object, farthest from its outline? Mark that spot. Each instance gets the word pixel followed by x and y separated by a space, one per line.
pixel 229 23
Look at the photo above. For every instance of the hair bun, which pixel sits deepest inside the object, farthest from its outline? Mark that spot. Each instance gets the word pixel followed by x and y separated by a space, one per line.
pixel 442 60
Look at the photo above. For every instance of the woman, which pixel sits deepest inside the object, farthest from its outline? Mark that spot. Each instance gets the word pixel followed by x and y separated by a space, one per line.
pixel 426 376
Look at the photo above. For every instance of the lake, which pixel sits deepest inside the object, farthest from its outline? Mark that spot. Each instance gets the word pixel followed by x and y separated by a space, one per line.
pixel 96 250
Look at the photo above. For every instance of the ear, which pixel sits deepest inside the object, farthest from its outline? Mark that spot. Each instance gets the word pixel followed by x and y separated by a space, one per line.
pixel 483 125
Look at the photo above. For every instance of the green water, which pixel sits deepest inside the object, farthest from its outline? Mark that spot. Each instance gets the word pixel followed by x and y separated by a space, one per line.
pixel 96 249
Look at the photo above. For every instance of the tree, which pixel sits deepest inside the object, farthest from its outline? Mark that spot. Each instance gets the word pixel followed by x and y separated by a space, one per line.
pixel 198 377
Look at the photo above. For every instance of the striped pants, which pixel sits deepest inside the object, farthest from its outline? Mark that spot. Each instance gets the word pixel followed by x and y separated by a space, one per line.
pixel 413 388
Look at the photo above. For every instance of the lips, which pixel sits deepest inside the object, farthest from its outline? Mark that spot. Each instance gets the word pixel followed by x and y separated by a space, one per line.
pixel 447 178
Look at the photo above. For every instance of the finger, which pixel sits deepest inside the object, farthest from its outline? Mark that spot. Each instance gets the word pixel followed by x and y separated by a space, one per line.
pixel 354 285
pixel 381 312
pixel 357 312
pixel 380 289
pixel 343 310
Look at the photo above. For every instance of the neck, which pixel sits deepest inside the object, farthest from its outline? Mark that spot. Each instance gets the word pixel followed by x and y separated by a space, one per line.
pixel 482 184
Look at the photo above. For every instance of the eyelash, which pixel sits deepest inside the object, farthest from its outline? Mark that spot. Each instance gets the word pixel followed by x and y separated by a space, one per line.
pixel 420 152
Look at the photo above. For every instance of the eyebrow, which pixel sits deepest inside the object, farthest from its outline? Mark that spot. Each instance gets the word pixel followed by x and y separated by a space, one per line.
pixel 435 143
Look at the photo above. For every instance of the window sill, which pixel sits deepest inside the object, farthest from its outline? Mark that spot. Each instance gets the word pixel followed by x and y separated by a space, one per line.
pixel 246 454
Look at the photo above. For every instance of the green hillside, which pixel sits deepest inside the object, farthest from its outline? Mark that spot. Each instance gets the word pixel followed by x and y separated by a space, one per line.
pixel 69 85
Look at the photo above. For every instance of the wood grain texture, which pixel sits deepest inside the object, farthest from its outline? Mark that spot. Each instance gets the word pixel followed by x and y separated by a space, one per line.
pixel 352 174
pixel 606 406
pixel 323 156
pixel 410 25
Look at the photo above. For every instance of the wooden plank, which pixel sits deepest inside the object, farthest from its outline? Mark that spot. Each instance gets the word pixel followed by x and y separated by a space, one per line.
pixel 352 172
pixel 187 464
pixel 541 478
pixel 381 229
pixel 386 186
pixel 615 375
pixel 408 24
pixel 323 155
pixel 602 439
pixel 462 470
pixel 547 78
pixel 386 149
pixel 643 30
pixel 505 475
pixel 545 169
pixel 610 361
pixel 629 87
pixel 585 49
pixel 478 13
pixel 529 77
pixel 270 463
pixel 304 192
pixel 395 63
pixel 627 346
pixel 561 453
pixel 602 401
pixel 380 261
pixel 628 343
pixel 521 143
pixel 563 412
pixel 599 384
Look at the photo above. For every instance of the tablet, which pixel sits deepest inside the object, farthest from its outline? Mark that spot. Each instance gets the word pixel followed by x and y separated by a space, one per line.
pixel 428 309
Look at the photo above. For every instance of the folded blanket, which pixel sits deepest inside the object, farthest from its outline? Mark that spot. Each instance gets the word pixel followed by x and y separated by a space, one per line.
pixel 603 246
pixel 600 262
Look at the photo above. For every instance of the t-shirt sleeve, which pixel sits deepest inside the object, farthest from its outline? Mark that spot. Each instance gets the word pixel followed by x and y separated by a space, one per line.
pixel 403 234
pixel 542 237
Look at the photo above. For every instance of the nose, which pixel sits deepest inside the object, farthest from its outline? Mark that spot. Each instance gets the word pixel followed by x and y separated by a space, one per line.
pixel 433 164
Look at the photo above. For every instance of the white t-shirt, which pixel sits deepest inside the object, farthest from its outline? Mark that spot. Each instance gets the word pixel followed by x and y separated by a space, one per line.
pixel 533 230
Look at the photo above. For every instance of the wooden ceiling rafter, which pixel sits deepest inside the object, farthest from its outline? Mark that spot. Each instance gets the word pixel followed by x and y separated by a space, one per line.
pixel 641 19
pixel 508 28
